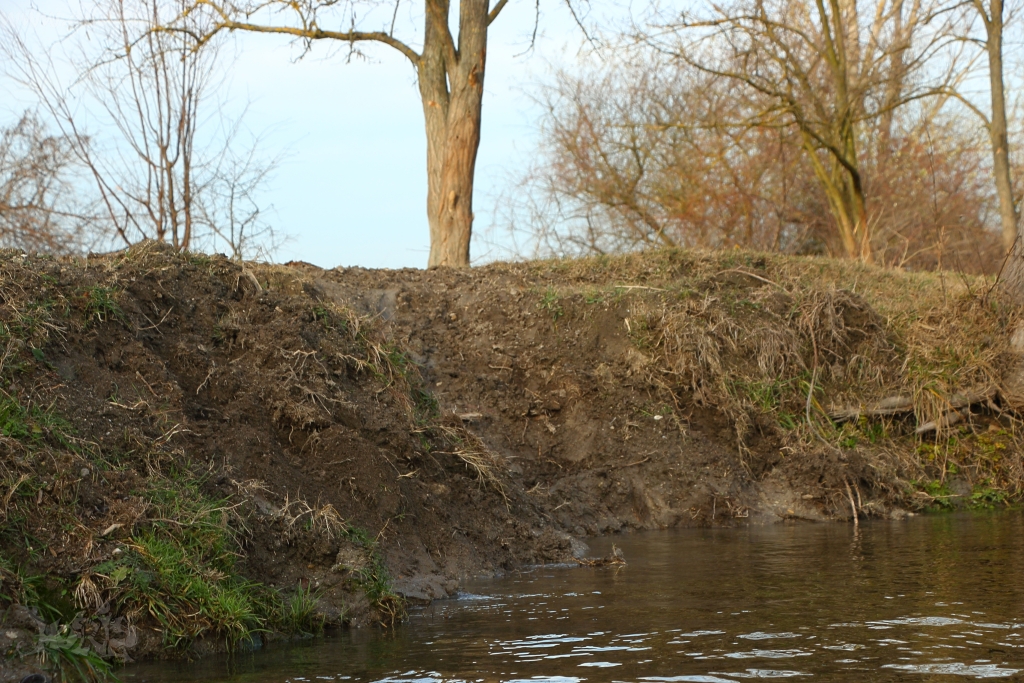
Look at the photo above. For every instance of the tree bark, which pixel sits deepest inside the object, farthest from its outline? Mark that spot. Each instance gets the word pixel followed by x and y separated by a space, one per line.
pixel 997 128
pixel 1012 281
pixel 451 82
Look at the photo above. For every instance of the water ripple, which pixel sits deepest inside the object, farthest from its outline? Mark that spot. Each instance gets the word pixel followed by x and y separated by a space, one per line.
pixel 957 669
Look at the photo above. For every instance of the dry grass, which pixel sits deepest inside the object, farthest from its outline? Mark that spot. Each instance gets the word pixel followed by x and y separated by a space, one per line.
pixel 319 518
pixel 486 465
pixel 784 341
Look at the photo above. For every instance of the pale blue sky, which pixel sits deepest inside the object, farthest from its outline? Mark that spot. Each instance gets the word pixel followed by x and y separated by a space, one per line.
pixel 351 189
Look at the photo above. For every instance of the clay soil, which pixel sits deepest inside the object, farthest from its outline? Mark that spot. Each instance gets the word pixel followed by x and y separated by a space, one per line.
pixel 451 423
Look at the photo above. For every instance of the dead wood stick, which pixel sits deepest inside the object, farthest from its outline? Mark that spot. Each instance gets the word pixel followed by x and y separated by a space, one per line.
pixel 615 557
pixel 753 275
pixel 893 405
pixel 947 419
pixel 896 405
pixel 853 506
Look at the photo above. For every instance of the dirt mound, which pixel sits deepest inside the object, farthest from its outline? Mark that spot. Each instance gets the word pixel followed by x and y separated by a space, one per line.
pixel 279 447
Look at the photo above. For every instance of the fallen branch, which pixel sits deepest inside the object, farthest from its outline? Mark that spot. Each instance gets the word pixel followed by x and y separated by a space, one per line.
pixel 947 419
pixel 898 405
pixel 894 405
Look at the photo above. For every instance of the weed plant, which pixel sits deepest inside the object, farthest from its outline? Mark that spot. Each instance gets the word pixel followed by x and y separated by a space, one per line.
pixel 375 580
pixel 71 659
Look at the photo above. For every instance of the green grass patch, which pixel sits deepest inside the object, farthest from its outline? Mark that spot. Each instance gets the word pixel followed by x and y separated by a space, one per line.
pixel 427 406
pixel 549 303
pixel 101 304
pixel 329 319
pixel 297 613
pixel 32 424
pixel 180 568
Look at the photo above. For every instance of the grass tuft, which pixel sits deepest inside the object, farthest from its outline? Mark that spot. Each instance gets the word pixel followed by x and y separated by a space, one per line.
pixel 101 304
pixel 298 613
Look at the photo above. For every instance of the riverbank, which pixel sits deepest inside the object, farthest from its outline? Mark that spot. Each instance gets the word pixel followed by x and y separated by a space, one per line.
pixel 198 452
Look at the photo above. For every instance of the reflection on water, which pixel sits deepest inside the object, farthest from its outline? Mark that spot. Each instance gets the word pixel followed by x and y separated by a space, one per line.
pixel 927 599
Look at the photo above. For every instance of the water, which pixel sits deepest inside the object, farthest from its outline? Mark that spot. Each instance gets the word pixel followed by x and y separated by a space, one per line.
pixel 926 599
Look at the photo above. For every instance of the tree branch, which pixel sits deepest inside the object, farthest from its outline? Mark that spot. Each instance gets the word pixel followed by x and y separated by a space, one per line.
pixel 305 33
pixel 493 14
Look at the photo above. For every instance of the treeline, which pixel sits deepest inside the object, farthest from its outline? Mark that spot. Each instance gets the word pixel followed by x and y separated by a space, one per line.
pixel 129 139
pixel 877 130
pixel 869 130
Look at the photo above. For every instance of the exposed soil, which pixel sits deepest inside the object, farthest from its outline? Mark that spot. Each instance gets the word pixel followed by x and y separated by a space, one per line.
pixel 448 423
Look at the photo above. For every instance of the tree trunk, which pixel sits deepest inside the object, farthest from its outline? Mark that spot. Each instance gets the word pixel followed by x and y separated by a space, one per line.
pixel 451 82
pixel 1012 281
pixel 860 212
pixel 997 129
pixel 845 194
pixel 842 182
pixel 1012 385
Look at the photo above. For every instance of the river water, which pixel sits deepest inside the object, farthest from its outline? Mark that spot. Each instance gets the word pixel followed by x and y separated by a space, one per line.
pixel 935 598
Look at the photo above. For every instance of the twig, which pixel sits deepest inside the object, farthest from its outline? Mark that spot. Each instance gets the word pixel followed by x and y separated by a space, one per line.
pixel 853 506
pixel 10 493
pixel 653 289
pixel 156 326
pixel 208 376
pixel 139 375
pixel 1002 265
pixel 749 274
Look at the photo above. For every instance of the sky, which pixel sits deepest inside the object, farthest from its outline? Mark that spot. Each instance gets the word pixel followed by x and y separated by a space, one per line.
pixel 351 187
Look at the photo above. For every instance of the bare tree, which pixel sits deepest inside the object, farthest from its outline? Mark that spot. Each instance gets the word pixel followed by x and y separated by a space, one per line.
pixel 40 207
pixel 450 68
pixel 172 169
pixel 826 69
pixel 648 151
pixel 931 195
pixel 633 155
pixel 991 14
